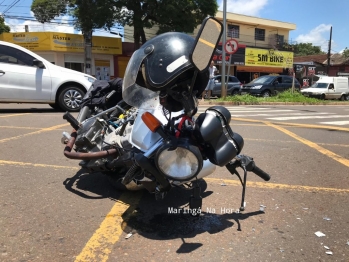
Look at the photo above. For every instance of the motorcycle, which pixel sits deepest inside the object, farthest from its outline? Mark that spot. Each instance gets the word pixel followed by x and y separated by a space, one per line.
pixel 152 138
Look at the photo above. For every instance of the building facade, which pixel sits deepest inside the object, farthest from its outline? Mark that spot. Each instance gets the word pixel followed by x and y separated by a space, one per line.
pixel 262 45
pixel 67 50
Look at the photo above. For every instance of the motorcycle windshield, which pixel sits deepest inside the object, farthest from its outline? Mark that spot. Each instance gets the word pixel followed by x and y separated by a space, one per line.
pixel 133 94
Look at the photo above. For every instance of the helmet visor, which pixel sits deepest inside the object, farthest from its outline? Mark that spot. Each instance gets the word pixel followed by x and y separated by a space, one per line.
pixel 133 94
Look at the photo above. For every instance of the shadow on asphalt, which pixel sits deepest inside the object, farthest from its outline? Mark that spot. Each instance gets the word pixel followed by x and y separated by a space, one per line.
pixel 155 219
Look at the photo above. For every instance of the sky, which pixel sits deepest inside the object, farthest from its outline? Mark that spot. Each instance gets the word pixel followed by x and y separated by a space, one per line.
pixel 313 19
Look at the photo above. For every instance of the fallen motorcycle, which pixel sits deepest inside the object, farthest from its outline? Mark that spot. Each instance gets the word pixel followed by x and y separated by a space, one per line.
pixel 152 138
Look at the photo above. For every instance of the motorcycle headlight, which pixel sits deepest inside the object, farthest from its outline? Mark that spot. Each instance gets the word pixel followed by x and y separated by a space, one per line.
pixel 181 162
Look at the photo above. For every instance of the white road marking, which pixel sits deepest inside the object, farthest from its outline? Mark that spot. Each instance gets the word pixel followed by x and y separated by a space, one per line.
pixel 288 114
pixel 305 117
pixel 337 123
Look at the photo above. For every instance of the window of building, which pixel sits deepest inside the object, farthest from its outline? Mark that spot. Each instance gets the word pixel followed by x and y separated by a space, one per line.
pixel 279 39
pixel 233 31
pixel 259 34
pixel 74 66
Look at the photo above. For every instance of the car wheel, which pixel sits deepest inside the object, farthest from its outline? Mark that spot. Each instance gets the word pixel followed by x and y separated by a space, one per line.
pixel 266 94
pixel 55 106
pixel 322 97
pixel 235 92
pixel 70 98
pixel 343 97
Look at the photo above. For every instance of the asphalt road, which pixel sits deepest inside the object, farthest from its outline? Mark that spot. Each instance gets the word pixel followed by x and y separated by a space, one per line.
pixel 52 211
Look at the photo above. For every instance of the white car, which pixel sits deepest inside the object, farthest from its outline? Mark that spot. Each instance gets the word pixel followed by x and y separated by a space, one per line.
pixel 26 77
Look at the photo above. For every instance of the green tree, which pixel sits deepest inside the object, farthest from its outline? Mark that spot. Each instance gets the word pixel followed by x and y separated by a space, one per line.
pixel 303 49
pixel 179 15
pixel 3 28
pixel 346 53
pixel 89 15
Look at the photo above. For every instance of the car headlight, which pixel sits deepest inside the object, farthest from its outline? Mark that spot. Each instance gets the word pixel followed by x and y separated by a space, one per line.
pixel 90 79
pixel 181 162
pixel 257 87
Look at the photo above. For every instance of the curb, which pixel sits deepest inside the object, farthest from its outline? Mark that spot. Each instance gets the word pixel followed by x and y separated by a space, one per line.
pixel 270 103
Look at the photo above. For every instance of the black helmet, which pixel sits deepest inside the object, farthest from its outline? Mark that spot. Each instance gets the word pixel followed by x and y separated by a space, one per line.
pixel 162 63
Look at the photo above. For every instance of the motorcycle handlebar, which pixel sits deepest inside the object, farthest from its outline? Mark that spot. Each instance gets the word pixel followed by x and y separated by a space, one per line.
pixel 248 164
pixel 259 172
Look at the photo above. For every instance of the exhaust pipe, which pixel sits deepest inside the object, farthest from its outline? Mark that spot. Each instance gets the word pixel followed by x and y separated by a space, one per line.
pixel 84 156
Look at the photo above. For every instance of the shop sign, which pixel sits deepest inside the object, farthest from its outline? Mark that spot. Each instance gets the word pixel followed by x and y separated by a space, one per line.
pixel 50 41
pixel 268 58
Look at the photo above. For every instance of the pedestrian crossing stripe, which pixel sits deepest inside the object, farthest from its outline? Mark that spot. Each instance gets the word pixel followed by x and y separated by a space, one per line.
pixel 338 123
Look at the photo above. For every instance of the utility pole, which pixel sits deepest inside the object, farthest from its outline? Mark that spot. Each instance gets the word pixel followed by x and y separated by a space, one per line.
pixel 329 53
pixel 88 51
pixel 223 87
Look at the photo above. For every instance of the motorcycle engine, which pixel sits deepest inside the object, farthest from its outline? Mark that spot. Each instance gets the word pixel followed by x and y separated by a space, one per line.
pixel 94 135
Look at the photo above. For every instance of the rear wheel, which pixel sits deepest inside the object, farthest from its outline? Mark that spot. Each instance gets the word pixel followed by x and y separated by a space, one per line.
pixel 266 94
pixel 70 98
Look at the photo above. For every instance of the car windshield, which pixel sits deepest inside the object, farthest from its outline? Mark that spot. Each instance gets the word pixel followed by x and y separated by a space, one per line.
pixel 263 79
pixel 320 85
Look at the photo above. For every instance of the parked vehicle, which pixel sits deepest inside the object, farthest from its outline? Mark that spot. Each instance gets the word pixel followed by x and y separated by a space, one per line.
pixel 156 143
pixel 233 87
pixel 268 85
pixel 26 77
pixel 328 87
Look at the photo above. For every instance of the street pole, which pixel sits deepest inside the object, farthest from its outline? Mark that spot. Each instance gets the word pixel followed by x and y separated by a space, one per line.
pixel 329 53
pixel 88 51
pixel 223 87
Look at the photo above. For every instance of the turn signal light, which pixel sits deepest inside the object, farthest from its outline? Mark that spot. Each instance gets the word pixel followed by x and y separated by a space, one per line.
pixel 151 121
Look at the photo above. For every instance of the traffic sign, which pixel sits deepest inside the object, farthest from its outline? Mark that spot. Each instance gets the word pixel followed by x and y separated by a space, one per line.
pixel 231 46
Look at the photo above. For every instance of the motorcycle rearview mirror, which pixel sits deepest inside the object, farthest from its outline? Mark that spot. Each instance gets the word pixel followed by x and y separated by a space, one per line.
pixel 205 43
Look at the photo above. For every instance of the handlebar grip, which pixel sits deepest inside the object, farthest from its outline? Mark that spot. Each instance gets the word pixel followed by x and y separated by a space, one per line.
pixel 259 172
pixel 73 122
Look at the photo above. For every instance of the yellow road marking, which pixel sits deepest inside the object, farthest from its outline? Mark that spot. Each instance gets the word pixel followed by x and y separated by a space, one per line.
pixel 322 150
pixel 14 163
pixel 230 181
pixel 33 133
pixel 293 124
pixel 15 115
pixel 100 244
pixel 206 42
pixel 278 186
pixel 21 127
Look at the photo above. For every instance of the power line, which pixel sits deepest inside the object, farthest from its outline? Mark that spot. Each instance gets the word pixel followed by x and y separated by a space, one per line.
pixel 12 5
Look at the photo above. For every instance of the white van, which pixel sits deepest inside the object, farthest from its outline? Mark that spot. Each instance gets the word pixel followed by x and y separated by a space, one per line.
pixel 329 87
pixel 26 77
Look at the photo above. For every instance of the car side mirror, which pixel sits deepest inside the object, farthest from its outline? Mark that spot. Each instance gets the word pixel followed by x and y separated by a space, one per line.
pixel 38 63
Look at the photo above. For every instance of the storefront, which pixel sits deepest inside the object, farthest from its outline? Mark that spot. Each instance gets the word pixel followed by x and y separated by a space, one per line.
pixel 67 50
pixel 248 63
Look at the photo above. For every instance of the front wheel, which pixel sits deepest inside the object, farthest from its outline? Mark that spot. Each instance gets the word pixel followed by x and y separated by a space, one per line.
pixel 70 98
pixel 266 94
pixel 235 92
